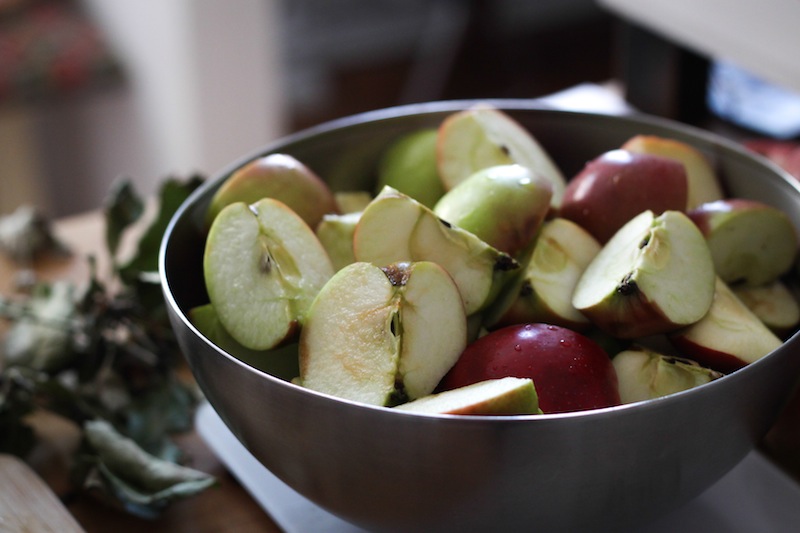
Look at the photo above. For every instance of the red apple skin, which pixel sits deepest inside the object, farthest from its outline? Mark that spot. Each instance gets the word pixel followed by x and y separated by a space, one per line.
pixel 571 372
pixel 618 185
pixel 708 357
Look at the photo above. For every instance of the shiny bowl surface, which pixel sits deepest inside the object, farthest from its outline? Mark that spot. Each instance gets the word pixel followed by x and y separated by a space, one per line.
pixel 607 469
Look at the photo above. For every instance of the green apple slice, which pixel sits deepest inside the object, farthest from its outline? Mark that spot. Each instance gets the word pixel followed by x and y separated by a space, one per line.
pixel 774 303
pixel 751 242
pixel 644 374
pixel 351 201
pixel 383 335
pixel 263 266
pixel 503 205
pixel 503 396
pixel 278 176
pixel 728 337
pixel 395 227
pixel 654 276
pixel 409 165
pixel 482 137
pixel 335 232
pixel 562 252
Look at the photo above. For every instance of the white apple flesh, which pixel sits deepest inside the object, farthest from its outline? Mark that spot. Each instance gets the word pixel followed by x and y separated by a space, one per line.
pixel 395 227
pixel 655 275
pixel 482 137
pixel 383 335
pixel 263 266
pixel 728 337
pixel 644 374
pixel 774 303
pixel 543 293
pixel 751 242
pixel 504 396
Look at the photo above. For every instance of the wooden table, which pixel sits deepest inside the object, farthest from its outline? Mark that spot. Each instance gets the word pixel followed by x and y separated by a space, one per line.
pixel 229 507
pixel 223 508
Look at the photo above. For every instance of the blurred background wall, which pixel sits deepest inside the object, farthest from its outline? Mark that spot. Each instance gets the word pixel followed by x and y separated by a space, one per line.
pixel 190 85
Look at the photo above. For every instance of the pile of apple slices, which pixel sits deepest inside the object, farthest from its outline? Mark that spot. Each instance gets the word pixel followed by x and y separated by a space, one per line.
pixel 476 279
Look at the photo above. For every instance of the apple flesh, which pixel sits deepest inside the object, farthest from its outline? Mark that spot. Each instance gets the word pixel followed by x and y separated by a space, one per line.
pixel 618 185
pixel 409 165
pixel 395 227
pixel 644 374
pixel 751 242
pixel 655 275
pixel 543 293
pixel 382 336
pixel 728 337
pixel 350 201
pixel 504 396
pixel 703 183
pixel 335 233
pixel 502 205
pixel 263 266
pixel 482 137
pixel 281 177
pixel 571 372
pixel 774 303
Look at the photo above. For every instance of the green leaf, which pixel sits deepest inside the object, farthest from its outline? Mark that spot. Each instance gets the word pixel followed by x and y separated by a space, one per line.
pixel 123 207
pixel 141 482
pixel 172 194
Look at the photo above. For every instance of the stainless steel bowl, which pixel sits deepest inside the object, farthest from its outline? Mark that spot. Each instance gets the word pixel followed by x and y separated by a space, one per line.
pixel 598 470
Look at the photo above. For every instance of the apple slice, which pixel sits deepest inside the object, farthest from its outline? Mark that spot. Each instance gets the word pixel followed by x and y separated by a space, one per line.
pixel 350 201
pixel 618 185
pixel 395 227
pixel 543 293
pixel 704 185
pixel 277 176
pixel 773 303
pixel 335 232
pixel 644 374
pixel 571 371
pixel 502 205
pixel 504 396
pixel 263 266
pixel 482 137
pixel 654 276
pixel 728 337
pixel 280 362
pixel 409 165
pixel 751 242
pixel 383 335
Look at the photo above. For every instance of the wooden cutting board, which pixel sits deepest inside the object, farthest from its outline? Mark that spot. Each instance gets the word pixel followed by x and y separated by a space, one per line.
pixel 27 504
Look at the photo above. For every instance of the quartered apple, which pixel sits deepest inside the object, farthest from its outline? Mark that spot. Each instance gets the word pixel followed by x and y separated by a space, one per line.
pixel 704 184
pixel 503 205
pixel 482 137
pixel 263 266
pixel 395 227
pixel 644 374
pixel 503 396
pixel 383 335
pixel 655 275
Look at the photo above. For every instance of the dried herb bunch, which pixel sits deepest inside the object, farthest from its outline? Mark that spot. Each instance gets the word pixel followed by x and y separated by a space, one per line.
pixel 103 356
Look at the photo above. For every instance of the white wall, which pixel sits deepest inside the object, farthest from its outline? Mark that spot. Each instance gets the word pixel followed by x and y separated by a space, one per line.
pixel 204 87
